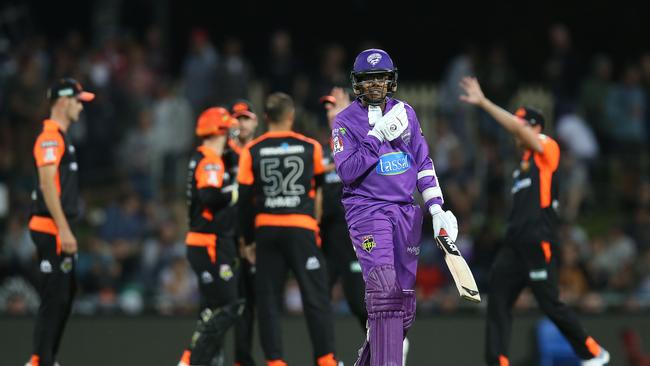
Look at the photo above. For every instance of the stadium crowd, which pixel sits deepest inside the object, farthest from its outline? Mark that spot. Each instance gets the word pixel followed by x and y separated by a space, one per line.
pixel 135 140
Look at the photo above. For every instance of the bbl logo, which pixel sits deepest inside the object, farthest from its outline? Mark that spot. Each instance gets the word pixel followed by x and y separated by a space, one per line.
pixel 368 243
pixel 66 265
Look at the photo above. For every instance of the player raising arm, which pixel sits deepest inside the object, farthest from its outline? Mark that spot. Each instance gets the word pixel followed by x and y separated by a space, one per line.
pixel 528 257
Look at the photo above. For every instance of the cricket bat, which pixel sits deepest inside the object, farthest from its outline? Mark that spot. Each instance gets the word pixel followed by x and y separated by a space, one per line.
pixel 459 269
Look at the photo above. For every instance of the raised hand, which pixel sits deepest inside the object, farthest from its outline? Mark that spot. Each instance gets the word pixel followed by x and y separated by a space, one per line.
pixel 473 93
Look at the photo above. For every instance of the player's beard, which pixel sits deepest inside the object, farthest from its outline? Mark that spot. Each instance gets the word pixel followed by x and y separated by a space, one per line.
pixel 376 95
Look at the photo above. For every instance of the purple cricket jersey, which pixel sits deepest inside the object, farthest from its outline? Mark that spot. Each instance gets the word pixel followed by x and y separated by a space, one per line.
pixel 375 173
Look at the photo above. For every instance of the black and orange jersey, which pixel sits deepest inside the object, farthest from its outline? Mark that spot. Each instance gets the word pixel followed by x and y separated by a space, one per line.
pixel 209 207
pixel 534 217
pixel 53 148
pixel 278 176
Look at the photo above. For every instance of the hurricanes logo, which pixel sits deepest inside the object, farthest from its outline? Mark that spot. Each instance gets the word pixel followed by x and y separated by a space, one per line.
pixel 374 58
pixel 368 243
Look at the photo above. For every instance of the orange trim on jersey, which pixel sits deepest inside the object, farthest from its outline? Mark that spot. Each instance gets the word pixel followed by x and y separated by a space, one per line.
pixel 318 240
pixel 275 363
pixel 46 225
pixel 210 171
pixel 318 159
pixel 234 146
pixel 35 360
pixel 245 173
pixel 592 346
pixel 207 214
pixel 503 361
pixel 185 358
pixel 326 360
pixel 286 220
pixel 546 248
pixel 209 241
pixel 547 163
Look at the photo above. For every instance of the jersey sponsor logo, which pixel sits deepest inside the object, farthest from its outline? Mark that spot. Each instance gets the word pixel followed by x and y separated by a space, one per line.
pixel 538 275
pixel 206 277
pixel 46 266
pixel 368 243
pixel 281 201
pixel 521 184
pixel 414 250
pixel 225 272
pixel 393 163
pixel 373 58
pixel 283 149
pixel 49 143
pixel 312 264
pixel 406 136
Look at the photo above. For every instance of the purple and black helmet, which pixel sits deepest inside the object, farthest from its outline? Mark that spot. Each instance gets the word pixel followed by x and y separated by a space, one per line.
pixel 373 61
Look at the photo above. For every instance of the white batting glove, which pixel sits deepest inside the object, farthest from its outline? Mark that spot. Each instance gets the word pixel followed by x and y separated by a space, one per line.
pixel 391 125
pixel 444 220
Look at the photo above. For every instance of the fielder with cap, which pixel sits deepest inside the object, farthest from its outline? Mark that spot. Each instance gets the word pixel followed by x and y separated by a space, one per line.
pixel 382 157
pixel 55 205
pixel 528 258
pixel 211 248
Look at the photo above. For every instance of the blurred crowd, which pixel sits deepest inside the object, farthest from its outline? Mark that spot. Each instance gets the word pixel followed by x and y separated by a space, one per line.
pixel 134 141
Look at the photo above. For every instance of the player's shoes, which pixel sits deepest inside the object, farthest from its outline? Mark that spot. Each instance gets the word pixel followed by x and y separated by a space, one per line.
pixel 600 360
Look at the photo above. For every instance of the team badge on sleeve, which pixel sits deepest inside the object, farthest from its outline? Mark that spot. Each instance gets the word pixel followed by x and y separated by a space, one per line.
pixel 212 171
pixel 368 243
pixel 337 140
pixel 49 149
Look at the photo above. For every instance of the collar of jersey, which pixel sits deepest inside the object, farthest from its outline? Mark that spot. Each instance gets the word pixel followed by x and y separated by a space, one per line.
pixel 51 125
pixel 209 153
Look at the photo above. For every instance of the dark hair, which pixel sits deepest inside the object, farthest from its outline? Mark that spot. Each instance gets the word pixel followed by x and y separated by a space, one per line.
pixel 277 106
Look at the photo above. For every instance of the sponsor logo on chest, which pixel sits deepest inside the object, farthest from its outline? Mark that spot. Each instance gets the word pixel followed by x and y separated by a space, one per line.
pixel 393 163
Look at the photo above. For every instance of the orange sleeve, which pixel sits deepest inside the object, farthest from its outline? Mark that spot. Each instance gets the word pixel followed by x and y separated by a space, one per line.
pixel 547 162
pixel 245 173
pixel 318 159
pixel 209 174
pixel 549 159
pixel 49 149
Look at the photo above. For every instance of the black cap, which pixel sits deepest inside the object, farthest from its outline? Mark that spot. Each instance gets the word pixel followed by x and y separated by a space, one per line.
pixel 242 108
pixel 531 115
pixel 68 87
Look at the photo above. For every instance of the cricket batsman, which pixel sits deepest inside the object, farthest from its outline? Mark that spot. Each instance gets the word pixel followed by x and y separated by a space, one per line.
pixel 381 156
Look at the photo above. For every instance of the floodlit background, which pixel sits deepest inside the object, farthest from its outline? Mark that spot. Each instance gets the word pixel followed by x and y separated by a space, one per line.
pixel 155 65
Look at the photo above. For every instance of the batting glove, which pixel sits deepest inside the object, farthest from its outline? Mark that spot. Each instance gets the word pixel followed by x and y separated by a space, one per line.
pixel 444 220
